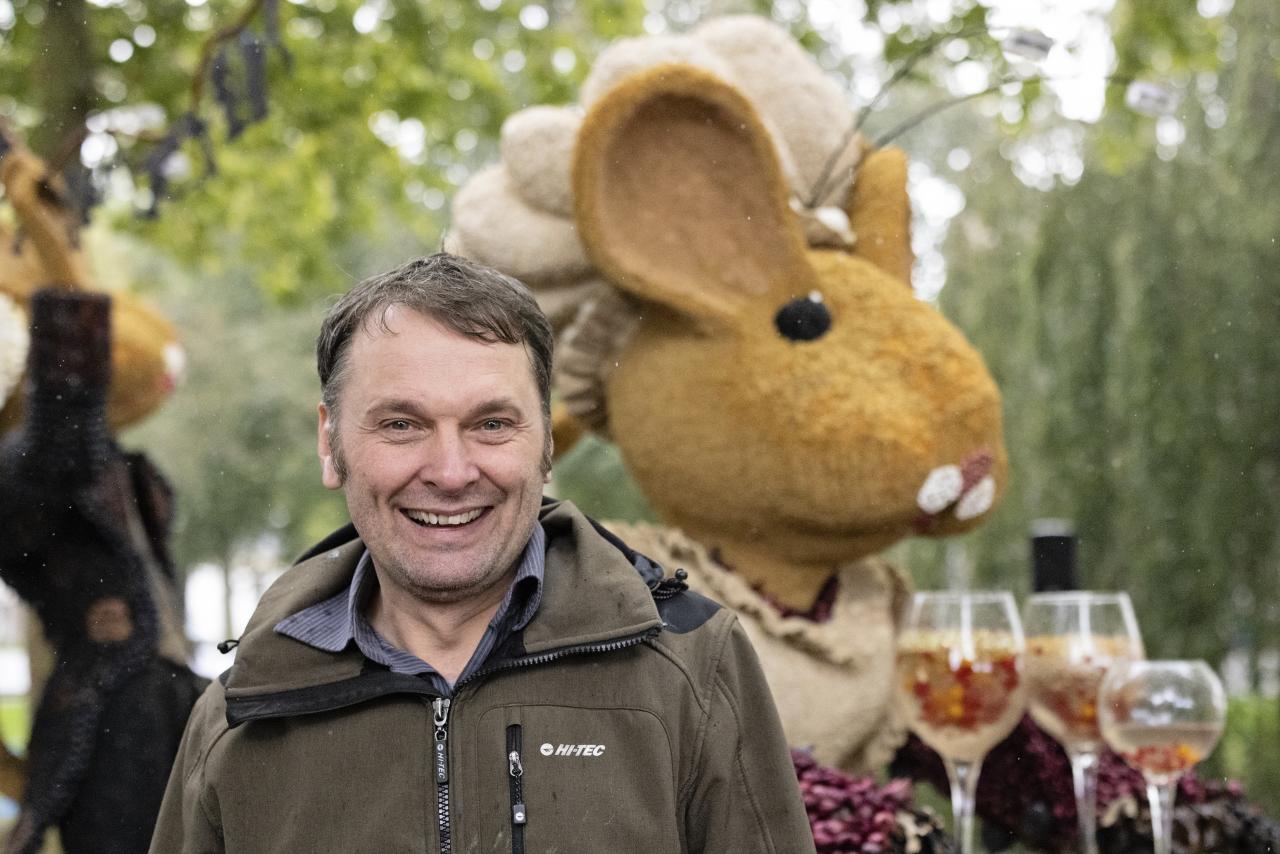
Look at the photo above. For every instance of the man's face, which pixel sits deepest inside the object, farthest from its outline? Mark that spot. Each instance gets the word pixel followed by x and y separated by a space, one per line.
pixel 443 443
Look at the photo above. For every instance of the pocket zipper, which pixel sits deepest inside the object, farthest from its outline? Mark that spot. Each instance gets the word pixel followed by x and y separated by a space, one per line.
pixel 515 781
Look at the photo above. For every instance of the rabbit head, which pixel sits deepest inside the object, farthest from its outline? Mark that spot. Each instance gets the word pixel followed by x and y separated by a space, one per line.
pixel 776 388
pixel 794 408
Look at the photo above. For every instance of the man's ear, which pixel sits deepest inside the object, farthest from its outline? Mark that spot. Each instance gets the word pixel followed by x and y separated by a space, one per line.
pixel 328 471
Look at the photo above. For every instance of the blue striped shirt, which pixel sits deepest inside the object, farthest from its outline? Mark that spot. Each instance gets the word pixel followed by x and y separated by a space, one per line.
pixel 339 620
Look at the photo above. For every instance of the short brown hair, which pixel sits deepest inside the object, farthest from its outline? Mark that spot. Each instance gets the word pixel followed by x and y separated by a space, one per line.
pixel 468 298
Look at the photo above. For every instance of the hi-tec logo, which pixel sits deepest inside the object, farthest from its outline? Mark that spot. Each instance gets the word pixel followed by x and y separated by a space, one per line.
pixel 548 749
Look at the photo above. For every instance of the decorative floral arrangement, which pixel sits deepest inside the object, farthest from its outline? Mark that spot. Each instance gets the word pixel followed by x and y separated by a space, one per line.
pixel 1025 794
pixel 855 814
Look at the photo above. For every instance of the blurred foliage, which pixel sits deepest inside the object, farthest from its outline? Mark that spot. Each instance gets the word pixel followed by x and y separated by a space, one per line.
pixel 1248 750
pixel 14 714
pixel 379 110
pixel 378 114
pixel 593 475
pixel 1130 321
pixel 237 440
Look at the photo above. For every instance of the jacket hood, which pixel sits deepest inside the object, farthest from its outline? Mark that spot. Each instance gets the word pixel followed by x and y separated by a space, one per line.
pixel 594 590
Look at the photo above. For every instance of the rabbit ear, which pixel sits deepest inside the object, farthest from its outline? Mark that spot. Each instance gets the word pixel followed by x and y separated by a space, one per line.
pixel 880 212
pixel 680 199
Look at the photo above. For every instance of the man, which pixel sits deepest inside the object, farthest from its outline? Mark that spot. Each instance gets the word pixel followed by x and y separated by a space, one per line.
pixel 469 667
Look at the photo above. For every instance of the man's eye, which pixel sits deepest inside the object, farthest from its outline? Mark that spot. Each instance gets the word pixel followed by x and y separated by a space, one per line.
pixel 399 425
pixel 491 425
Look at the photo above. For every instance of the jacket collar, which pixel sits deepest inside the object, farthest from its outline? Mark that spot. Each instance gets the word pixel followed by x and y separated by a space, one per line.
pixel 594 592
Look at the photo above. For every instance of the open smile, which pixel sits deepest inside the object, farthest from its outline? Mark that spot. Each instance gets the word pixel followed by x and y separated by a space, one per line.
pixel 455 520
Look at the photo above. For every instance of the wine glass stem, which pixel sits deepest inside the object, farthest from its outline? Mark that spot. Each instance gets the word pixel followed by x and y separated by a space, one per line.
pixel 1161 797
pixel 1084 773
pixel 964 785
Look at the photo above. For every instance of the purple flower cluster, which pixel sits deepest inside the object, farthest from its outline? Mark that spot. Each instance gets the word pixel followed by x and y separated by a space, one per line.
pixel 855 815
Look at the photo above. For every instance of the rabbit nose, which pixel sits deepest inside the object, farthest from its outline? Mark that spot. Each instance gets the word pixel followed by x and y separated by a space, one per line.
pixel 968 486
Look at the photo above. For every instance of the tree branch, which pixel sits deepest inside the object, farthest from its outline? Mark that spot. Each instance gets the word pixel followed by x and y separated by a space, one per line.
pixel 211 45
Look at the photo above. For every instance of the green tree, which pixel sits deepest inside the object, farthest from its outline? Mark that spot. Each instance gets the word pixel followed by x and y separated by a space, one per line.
pixel 376 114
pixel 1131 327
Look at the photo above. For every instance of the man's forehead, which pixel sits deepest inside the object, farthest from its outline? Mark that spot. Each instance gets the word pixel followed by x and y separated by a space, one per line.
pixel 415 336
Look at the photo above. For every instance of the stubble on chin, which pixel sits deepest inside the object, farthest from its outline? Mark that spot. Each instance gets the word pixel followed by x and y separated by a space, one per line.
pixel 487 577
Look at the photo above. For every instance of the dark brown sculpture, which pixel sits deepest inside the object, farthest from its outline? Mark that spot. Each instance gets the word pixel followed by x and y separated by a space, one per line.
pixel 85 547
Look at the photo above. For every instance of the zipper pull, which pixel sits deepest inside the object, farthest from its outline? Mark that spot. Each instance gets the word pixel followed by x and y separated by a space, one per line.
pixel 441 707
pixel 516 769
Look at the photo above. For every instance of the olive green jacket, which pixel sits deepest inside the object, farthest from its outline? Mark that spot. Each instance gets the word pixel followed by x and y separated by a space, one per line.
pixel 629 716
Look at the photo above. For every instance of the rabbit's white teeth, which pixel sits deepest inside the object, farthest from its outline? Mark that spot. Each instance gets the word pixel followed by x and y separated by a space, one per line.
pixel 977 500
pixel 946 485
pixel 941 488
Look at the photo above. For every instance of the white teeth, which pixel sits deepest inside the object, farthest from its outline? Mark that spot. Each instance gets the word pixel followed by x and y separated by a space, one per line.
pixel 443 521
pixel 940 488
pixel 977 500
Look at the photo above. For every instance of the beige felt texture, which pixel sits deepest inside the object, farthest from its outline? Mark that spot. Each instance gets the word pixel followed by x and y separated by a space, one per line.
pixel 880 213
pixel 680 199
pixel 831 681
pixel 585 355
pixel 548 245
pixel 537 150
pixel 627 57
pixel 807 109
pixel 797 103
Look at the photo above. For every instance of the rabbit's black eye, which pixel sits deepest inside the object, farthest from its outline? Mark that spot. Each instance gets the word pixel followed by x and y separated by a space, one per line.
pixel 804 319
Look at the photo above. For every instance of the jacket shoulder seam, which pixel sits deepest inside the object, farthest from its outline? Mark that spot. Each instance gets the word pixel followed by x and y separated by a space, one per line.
pixel 756 810
pixel 200 767
pixel 678 662
pixel 704 700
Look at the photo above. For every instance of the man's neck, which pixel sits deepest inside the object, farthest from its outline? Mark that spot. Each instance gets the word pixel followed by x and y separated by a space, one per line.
pixel 444 635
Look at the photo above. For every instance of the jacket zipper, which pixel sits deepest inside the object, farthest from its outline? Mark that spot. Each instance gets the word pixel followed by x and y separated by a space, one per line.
pixel 543 658
pixel 515 771
pixel 441 708
pixel 270 706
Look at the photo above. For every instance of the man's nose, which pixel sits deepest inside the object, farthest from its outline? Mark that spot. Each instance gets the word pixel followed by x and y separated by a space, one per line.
pixel 449 465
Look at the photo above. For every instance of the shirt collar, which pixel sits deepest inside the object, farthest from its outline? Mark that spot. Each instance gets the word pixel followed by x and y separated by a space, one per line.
pixel 331 625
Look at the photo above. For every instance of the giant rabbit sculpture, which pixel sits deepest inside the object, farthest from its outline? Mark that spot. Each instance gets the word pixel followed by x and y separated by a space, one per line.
pixel 729 272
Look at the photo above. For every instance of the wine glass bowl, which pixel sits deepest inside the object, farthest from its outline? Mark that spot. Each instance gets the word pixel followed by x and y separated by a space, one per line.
pixel 963 701
pixel 960 684
pixel 1162 717
pixel 1073 639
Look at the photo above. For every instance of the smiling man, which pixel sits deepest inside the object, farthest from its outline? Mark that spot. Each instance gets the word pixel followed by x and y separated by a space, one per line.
pixel 468 665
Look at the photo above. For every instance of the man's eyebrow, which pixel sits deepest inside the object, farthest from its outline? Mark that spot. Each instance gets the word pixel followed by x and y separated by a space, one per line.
pixel 498 405
pixel 392 405
pixel 492 406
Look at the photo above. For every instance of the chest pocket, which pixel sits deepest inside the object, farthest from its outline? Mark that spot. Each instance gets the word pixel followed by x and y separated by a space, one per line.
pixel 577 781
